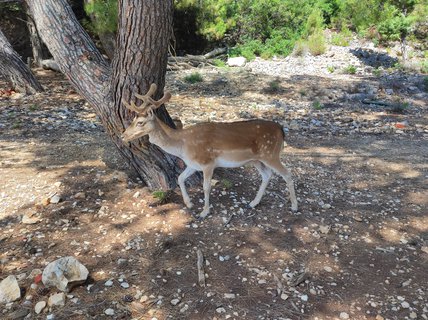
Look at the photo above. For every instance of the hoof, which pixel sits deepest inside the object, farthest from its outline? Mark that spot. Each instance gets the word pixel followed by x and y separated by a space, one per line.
pixel 189 205
pixel 294 208
pixel 203 215
pixel 252 204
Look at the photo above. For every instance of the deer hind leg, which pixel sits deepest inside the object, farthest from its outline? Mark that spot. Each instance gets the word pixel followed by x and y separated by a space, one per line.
pixel 266 174
pixel 285 173
pixel 208 173
pixel 181 182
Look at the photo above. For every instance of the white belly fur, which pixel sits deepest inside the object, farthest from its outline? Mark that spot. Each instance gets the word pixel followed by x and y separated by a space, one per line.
pixel 227 163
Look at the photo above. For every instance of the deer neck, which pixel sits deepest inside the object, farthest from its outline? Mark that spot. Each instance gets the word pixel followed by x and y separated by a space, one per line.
pixel 166 138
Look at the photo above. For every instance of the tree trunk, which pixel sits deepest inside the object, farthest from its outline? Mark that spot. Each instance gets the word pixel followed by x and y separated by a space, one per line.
pixel 141 59
pixel 15 70
pixel 36 45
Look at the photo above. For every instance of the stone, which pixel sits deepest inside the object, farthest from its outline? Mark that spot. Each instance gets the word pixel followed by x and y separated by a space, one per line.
pixel 39 306
pixel 304 297
pixel 64 272
pixel 30 219
pixel 124 285
pixel 184 308
pixel 284 296
pixel 405 305
pixel 325 229
pixel 344 315
pixel 175 301
pixel 220 310
pixel 229 296
pixel 109 312
pixel 236 62
pixel 55 199
pixel 328 269
pixel 108 283
pixel 57 299
pixel 80 195
pixel 9 290
pixel 18 314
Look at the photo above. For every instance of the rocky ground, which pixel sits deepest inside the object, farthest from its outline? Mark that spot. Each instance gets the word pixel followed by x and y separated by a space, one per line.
pixel 356 249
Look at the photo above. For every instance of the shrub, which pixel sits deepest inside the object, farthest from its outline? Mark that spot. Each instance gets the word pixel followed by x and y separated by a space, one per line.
pixel 424 68
pixel 350 69
pixel 342 39
pixel 316 44
pixel 193 78
pixel 300 48
pixel 219 63
pixel 317 105
pixel 274 86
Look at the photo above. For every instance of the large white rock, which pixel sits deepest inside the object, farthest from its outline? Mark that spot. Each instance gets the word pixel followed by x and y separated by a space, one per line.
pixel 9 290
pixel 236 62
pixel 64 272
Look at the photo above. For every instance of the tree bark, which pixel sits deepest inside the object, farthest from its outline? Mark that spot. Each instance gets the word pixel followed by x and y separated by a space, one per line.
pixel 36 45
pixel 141 58
pixel 15 70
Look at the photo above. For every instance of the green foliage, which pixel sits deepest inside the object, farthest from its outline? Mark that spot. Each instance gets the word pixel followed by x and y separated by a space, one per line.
pixel 273 86
pixel 424 69
pixel 350 69
pixel 315 23
pixel 270 28
pixel 377 72
pixel 219 63
pixel 395 28
pixel 330 69
pixel 194 78
pixel 316 43
pixel 226 183
pixel 300 48
pixel 104 13
pixel 317 105
pixel 342 39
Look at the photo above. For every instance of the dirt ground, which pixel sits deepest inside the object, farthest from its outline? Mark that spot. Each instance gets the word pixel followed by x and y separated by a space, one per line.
pixel 356 249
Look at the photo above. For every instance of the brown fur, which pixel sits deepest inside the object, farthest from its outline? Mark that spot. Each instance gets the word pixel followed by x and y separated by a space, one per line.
pixel 206 146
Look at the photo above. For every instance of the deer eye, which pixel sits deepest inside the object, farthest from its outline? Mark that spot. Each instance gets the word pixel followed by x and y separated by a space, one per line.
pixel 140 123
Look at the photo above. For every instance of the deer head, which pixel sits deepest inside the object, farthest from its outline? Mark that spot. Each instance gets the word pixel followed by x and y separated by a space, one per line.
pixel 143 123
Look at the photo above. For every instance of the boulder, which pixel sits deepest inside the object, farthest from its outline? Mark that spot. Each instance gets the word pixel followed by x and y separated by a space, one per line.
pixel 64 273
pixel 236 62
pixel 9 290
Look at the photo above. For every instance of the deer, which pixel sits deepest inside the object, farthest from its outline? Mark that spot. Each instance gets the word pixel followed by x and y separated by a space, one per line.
pixel 209 145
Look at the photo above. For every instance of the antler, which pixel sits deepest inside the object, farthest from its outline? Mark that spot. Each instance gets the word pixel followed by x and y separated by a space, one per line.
pixel 148 101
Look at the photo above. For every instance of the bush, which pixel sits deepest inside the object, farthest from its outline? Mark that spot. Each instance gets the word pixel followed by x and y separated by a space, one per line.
pixel 350 69
pixel 193 78
pixel 342 39
pixel 424 67
pixel 316 44
pixel 300 48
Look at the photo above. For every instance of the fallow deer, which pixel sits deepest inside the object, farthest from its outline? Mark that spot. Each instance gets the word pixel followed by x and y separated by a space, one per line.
pixel 206 146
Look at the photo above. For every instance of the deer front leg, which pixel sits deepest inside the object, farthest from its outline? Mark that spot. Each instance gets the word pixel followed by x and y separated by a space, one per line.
pixel 208 173
pixel 181 182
